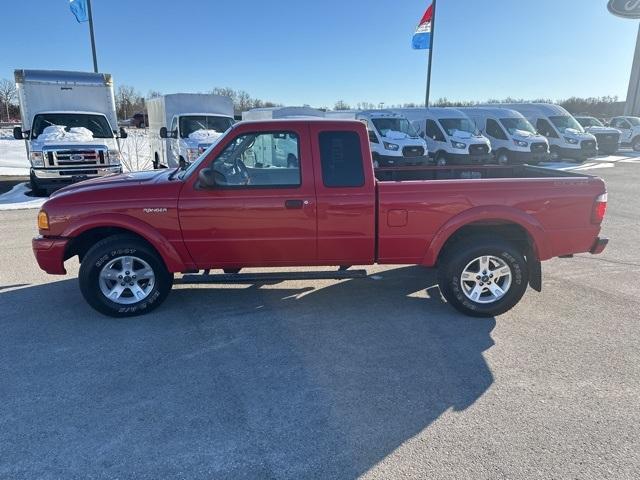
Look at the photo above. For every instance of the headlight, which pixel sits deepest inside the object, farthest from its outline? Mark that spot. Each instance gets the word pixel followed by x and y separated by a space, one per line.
pixel 391 146
pixel 114 156
pixel 571 141
pixel 520 143
pixel 458 145
pixel 192 154
pixel 37 159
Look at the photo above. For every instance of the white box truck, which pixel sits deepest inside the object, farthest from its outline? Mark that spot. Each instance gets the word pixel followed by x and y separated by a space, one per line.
pixel 567 138
pixel 69 126
pixel 513 139
pixel 183 125
pixel 452 138
pixel 394 141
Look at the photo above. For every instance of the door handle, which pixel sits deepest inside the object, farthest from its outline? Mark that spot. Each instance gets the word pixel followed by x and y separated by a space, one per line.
pixel 295 204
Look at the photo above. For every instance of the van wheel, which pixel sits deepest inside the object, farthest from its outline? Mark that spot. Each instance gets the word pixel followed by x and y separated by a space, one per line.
pixel 483 276
pixel 502 157
pixel 122 276
pixel 635 144
pixel 554 154
pixel 441 159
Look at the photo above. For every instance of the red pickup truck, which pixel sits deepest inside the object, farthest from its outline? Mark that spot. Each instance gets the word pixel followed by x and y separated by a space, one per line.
pixel 245 203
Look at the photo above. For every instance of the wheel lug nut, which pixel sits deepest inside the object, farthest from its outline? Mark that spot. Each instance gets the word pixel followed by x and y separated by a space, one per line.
pixel 126 273
pixel 481 284
pixel 478 277
pixel 131 284
pixel 122 284
pixel 491 276
pixel 120 277
pixel 133 276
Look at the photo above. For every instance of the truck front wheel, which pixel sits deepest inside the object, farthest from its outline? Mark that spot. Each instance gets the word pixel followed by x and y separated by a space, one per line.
pixel 482 276
pixel 122 276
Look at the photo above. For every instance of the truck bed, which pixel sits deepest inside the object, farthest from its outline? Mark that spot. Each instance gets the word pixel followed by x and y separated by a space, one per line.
pixel 469 172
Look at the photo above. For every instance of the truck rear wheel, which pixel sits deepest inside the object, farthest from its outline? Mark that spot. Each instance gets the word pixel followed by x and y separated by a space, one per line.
pixel 122 276
pixel 483 276
pixel 502 157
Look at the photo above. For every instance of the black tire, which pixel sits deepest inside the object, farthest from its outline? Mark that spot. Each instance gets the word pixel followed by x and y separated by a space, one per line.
pixel 441 159
pixel 35 188
pixel 456 258
pixel 504 155
pixel 554 155
pixel 110 249
pixel 635 144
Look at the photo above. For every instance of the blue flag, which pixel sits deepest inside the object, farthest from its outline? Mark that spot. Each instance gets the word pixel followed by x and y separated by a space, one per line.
pixel 80 10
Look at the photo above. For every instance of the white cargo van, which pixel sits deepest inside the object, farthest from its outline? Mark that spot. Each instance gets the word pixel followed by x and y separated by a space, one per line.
pixel 394 141
pixel 452 138
pixel 630 128
pixel 69 126
pixel 513 139
pixel 567 138
pixel 608 138
pixel 183 125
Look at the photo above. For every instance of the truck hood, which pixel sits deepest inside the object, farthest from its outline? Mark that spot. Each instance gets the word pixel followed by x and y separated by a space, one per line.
pixel 573 133
pixel 602 130
pixel 528 136
pixel 112 182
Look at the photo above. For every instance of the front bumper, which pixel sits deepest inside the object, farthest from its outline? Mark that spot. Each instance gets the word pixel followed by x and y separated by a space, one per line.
pixel 59 177
pixel 391 161
pixel 49 253
pixel 468 159
pixel 581 154
pixel 608 143
pixel 528 157
pixel 599 246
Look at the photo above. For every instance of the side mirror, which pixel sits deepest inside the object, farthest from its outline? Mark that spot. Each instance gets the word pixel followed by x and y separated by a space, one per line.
pixel 123 133
pixel 17 133
pixel 206 177
pixel 163 132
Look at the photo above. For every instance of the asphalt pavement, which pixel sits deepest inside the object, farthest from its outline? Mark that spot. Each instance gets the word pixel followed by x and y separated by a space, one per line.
pixel 375 378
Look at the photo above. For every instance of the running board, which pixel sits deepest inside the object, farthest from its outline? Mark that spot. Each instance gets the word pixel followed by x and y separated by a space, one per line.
pixel 271 276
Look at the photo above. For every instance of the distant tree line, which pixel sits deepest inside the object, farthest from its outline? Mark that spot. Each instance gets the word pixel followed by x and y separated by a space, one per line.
pixel 130 101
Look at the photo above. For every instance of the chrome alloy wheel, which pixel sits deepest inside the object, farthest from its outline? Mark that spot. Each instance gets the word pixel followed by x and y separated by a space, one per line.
pixel 486 279
pixel 126 280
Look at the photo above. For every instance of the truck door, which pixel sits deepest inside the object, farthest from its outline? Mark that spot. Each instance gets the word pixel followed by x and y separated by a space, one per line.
pixel 625 127
pixel 173 153
pixel 258 214
pixel 345 190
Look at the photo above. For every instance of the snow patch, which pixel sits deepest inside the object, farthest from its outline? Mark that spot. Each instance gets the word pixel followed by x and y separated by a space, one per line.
pixel 205 135
pixel 395 135
pixel 17 199
pixel 58 133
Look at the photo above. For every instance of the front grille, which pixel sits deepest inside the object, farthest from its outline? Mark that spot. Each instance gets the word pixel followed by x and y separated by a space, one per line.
pixel 539 147
pixel 413 152
pixel 73 158
pixel 478 149
pixel 608 138
pixel 71 173
pixel 589 145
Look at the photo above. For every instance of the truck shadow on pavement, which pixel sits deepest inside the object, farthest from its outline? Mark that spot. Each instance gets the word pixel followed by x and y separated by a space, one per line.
pixel 233 382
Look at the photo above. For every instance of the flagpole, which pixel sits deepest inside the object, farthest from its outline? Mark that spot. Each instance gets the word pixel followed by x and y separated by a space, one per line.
pixel 433 33
pixel 93 40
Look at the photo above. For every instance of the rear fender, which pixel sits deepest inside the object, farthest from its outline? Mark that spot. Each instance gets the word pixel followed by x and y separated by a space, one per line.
pixel 489 214
pixel 171 258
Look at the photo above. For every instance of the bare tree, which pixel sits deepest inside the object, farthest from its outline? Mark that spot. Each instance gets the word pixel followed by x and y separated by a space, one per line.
pixel 7 93
pixel 341 105
pixel 128 101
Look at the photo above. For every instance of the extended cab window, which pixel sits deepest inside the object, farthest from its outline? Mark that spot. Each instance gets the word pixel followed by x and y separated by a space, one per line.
pixel 495 130
pixel 260 160
pixel 434 132
pixel 341 159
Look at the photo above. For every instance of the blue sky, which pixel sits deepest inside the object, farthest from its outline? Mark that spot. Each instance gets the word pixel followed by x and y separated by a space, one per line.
pixel 296 52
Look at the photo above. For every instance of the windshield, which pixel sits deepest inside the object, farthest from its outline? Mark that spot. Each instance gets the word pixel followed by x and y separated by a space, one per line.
pixel 193 123
pixel 191 167
pixel 589 122
pixel 635 121
pixel 98 124
pixel 451 125
pixel 565 122
pixel 386 125
pixel 512 125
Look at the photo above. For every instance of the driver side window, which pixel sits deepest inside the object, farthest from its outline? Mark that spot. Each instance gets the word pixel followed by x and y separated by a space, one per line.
pixel 174 127
pixel 260 160
pixel 546 129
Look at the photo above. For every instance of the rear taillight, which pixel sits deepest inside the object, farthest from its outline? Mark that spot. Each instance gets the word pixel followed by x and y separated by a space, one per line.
pixel 599 209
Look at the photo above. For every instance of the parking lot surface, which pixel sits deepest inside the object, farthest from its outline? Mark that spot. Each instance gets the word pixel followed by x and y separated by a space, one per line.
pixel 375 378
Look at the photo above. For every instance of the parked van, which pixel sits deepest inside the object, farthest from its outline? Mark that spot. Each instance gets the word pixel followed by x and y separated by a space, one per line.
pixel 184 125
pixel 69 125
pixel 513 139
pixel 567 138
pixel 452 137
pixel 630 131
pixel 608 138
pixel 394 141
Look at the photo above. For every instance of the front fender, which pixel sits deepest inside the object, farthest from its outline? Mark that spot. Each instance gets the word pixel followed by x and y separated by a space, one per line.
pixel 171 258
pixel 489 214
